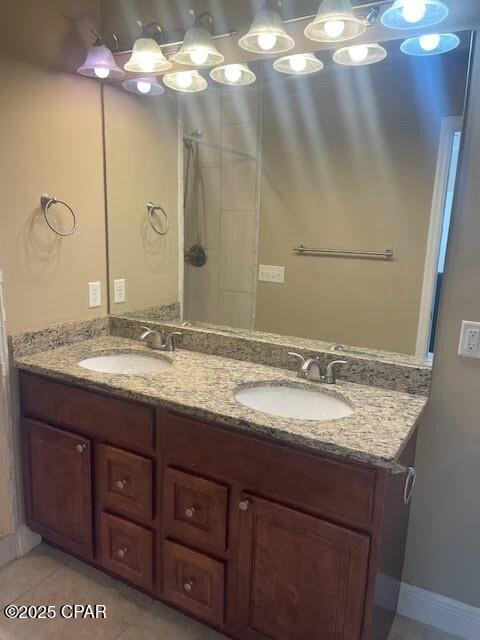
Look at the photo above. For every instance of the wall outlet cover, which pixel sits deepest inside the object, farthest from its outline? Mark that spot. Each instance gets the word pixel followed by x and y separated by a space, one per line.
pixel 119 293
pixel 268 273
pixel 94 294
pixel 469 346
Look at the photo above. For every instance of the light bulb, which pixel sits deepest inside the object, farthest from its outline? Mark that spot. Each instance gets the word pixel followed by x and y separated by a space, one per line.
pixel 233 73
pixel 429 42
pixel 199 55
pixel 298 62
pixel 184 79
pixel 334 28
pixel 146 61
pixel 143 86
pixel 102 72
pixel 358 53
pixel 413 10
pixel 267 41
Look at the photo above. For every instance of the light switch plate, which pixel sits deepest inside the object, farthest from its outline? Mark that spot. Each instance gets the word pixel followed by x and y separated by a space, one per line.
pixel 94 294
pixel 470 340
pixel 268 273
pixel 119 294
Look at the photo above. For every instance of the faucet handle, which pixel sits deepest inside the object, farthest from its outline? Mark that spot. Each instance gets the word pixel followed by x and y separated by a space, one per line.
pixel 300 357
pixel 146 332
pixel 330 377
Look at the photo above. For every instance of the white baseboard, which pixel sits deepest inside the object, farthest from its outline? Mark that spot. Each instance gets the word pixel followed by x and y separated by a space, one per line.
pixel 440 612
pixel 18 544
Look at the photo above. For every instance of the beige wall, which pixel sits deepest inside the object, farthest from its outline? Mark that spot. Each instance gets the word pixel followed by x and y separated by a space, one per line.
pixel 349 164
pixel 51 140
pixel 443 553
pixel 141 141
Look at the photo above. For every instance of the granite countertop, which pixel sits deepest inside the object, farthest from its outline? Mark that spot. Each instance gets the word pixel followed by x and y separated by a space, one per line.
pixel 204 386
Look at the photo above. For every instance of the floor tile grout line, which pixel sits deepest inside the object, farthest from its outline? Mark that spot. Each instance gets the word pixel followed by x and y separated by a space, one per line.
pixel 37 584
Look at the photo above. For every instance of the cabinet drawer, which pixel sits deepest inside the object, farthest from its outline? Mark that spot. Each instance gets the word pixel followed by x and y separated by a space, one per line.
pixel 127 550
pixel 195 510
pixel 124 481
pixel 194 582
pixel 118 421
pixel 342 490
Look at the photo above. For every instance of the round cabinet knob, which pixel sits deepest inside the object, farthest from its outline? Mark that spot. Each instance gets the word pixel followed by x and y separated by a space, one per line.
pixel 188 586
pixel 244 505
pixel 121 484
pixel 121 553
pixel 80 448
pixel 190 512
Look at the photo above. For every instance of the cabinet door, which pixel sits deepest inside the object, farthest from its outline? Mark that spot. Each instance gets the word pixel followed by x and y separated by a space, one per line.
pixel 301 578
pixel 58 486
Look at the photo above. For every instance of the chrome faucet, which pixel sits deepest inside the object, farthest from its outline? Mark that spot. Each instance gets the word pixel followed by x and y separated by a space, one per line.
pixel 154 339
pixel 311 369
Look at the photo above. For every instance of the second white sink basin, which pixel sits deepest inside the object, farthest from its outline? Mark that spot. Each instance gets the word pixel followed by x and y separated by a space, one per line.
pixel 293 402
pixel 126 364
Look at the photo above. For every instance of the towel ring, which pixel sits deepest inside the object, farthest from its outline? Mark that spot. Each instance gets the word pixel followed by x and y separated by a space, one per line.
pixel 47 201
pixel 152 208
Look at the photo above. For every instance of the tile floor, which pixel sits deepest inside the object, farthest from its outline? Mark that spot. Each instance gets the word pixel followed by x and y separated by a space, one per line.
pixel 47 576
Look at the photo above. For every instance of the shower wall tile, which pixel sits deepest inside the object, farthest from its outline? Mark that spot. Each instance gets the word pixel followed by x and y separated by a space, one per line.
pixel 237 239
pixel 239 181
pixel 201 289
pixel 235 309
pixel 239 107
pixel 240 137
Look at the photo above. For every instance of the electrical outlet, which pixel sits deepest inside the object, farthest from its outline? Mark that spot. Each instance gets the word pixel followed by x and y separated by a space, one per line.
pixel 470 340
pixel 119 295
pixel 267 273
pixel 94 294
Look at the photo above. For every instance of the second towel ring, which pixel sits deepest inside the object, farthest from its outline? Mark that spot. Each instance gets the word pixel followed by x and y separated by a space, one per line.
pixel 46 202
pixel 152 208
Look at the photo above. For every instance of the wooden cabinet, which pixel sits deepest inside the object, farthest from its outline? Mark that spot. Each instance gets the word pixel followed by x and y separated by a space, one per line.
pixel 301 578
pixel 261 540
pixel 58 486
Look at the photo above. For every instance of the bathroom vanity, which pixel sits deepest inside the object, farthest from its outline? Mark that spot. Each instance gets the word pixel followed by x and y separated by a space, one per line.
pixel 259 528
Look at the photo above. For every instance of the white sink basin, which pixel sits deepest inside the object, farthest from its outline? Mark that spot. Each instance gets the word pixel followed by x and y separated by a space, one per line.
pixel 125 363
pixel 293 402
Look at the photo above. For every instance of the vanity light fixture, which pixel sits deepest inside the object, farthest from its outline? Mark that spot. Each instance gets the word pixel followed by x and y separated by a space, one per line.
pixel 413 14
pixel 267 33
pixel 198 48
pixel 238 75
pixel 360 54
pixel 298 64
pixel 147 55
pixel 185 81
pixel 430 44
pixel 146 86
pixel 100 62
pixel 335 22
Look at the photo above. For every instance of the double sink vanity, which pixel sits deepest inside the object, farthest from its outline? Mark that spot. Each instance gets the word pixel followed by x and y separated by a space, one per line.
pixel 238 489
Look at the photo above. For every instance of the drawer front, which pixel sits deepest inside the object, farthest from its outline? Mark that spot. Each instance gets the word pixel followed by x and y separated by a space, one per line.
pixel 124 481
pixel 118 421
pixel 194 582
pixel 195 510
pixel 127 550
pixel 341 490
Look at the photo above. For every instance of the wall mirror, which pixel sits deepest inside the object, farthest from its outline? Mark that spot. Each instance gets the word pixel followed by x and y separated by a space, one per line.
pixel 314 205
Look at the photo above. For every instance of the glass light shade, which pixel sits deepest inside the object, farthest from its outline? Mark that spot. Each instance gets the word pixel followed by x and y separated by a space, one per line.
pixel 299 64
pixel 430 44
pixel 335 22
pixel 267 34
pixel 360 54
pixel 147 57
pixel 198 49
pixel 185 81
pixel 146 86
pixel 414 14
pixel 100 64
pixel 237 75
